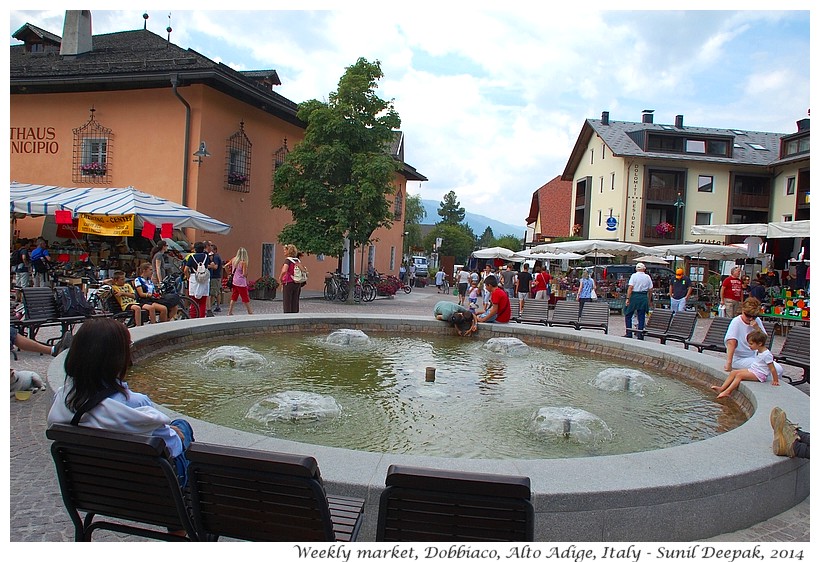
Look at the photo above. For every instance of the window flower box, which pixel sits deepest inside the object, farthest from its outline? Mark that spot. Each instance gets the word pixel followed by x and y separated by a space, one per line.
pixel 235 178
pixel 92 169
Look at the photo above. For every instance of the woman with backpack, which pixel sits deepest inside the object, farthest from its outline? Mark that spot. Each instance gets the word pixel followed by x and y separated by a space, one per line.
pixel 291 288
pixel 199 279
pixel 237 271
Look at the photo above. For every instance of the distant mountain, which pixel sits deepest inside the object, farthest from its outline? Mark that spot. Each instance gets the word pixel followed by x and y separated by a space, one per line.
pixel 478 223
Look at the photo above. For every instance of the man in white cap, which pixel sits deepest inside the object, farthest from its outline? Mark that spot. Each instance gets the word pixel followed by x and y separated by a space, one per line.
pixel 638 299
pixel 679 291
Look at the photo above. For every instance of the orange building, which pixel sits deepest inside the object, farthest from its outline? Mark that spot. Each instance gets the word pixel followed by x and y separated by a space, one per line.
pixel 132 109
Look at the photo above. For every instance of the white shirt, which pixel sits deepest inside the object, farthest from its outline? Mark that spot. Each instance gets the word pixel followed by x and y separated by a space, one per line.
pixel 640 281
pixel 738 330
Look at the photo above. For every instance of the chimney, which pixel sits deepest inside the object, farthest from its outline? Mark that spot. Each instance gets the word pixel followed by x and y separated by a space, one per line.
pixel 646 115
pixel 803 125
pixel 605 118
pixel 76 33
pixel 679 121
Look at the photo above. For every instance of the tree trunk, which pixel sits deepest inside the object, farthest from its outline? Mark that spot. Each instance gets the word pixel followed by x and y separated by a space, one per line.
pixel 351 274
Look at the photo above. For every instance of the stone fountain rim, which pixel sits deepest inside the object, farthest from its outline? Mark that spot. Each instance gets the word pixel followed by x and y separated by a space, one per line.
pixel 675 481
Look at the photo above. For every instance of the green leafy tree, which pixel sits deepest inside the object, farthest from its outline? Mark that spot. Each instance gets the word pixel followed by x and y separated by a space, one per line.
pixel 414 213
pixel 510 242
pixel 450 210
pixel 338 182
pixel 487 240
pixel 457 240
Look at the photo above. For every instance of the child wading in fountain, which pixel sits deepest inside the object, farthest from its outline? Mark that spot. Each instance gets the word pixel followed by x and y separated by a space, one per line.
pixel 763 365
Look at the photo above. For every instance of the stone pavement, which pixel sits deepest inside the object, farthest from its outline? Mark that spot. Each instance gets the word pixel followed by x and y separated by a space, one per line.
pixel 36 509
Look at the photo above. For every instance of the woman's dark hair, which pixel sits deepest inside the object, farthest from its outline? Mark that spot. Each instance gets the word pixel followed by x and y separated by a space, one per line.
pixel 99 357
pixel 160 245
pixel 462 321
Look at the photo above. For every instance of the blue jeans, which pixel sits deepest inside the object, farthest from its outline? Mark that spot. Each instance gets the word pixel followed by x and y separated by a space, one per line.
pixel 489 320
pixel 181 462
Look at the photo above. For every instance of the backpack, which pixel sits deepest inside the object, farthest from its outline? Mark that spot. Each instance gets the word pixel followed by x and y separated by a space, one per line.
pixel 202 275
pixel 17 258
pixel 300 273
pixel 72 302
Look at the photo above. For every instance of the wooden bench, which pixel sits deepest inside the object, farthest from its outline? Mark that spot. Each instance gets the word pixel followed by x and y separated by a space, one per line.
pixel 565 314
pixel 430 505
pixel 119 476
pixel 795 352
pixel 264 496
pixel 535 312
pixel 40 309
pixel 595 316
pixel 657 323
pixel 680 329
pixel 713 340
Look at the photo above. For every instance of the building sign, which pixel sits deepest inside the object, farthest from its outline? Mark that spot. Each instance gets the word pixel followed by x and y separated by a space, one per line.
pixel 104 225
pixel 633 202
pixel 34 140
pixel 612 224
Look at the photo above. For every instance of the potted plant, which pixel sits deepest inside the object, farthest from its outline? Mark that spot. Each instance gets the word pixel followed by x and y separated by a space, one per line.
pixel 664 228
pixel 264 288
pixel 387 287
pixel 93 169
pixel 237 178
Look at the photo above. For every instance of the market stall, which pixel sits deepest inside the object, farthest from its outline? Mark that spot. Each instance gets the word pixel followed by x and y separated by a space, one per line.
pixel 99 224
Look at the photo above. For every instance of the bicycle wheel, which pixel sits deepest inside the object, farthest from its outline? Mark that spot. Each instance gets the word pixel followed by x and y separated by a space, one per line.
pixel 407 288
pixel 330 290
pixel 186 306
pixel 341 294
pixel 369 292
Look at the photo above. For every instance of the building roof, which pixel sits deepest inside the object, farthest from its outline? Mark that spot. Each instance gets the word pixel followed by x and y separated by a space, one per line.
pixel 622 138
pixel 139 59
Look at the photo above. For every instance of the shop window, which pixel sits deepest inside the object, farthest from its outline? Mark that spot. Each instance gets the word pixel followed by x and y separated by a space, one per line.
pixel 238 166
pixel 91 158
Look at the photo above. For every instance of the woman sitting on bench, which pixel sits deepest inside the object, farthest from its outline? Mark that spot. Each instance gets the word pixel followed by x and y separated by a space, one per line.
pixel 96 395
pixel 125 296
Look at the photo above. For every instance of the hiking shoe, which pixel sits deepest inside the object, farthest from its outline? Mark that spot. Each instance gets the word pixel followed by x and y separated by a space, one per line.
pixel 63 344
pixel 776 414
pixel 784 435
pixel 217 309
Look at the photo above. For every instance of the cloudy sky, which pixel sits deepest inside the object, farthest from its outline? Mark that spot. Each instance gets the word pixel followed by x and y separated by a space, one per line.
pixel 492 102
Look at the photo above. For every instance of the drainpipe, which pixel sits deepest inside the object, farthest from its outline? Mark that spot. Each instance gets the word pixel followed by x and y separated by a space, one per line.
pixel 185 163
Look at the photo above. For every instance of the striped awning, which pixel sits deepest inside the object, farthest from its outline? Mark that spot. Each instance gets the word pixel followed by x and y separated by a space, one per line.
pixel 36 200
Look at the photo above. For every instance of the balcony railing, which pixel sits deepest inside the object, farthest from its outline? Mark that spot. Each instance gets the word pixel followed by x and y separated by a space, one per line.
pixel 750 201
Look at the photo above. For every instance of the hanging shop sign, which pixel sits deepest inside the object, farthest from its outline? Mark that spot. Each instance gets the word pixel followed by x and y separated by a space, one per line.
pixel 105 225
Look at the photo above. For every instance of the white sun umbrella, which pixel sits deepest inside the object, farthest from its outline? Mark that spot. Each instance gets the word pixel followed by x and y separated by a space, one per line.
pixel 596 248
pixel 496 252
pixel 651 259
pixel 749 229
pixel 704 251
pixel 529 255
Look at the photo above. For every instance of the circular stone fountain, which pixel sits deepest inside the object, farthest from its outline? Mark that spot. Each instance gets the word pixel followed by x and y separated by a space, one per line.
pixel 681 493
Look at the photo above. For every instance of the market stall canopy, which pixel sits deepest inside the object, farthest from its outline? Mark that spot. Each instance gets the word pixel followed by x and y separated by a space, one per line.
pixel 595 248
pixel 788 229
pixel 36 200
pixel 496 252
pixel 528 255
pixel 651 259
pixel 704 251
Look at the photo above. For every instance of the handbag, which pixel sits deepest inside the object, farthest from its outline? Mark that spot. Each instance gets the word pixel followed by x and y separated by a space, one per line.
pixel 229 283
pixel 593 295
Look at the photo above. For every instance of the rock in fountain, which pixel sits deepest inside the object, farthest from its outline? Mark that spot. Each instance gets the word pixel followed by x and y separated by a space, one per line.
pixel 570 424
pixel 348 337
pixel 513 347
pixel 234 356
pixel 295 406
pixel 618 379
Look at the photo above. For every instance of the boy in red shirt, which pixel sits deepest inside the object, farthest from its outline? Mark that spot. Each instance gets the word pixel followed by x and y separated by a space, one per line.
pixel 499 310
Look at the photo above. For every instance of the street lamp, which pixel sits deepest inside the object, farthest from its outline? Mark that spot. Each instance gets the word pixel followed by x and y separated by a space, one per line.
pixel 679 205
